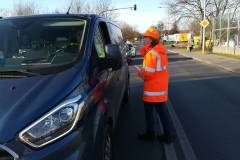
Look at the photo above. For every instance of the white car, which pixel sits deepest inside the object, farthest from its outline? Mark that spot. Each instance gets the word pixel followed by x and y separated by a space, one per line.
pixel 131 50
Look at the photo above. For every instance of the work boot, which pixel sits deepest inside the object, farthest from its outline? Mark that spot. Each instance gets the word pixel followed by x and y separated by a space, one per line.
pixel 147 136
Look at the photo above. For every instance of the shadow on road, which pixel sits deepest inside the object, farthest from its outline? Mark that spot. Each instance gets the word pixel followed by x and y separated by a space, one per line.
pixel 172 54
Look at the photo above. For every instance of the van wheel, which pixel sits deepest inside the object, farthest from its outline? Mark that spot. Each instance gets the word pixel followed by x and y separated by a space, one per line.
pixel 107 147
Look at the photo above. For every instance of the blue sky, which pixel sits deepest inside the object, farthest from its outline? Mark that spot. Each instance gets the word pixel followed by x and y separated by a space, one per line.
pixel 146 15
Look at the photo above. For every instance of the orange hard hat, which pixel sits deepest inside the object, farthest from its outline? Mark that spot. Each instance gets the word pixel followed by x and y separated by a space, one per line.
pixel 152 32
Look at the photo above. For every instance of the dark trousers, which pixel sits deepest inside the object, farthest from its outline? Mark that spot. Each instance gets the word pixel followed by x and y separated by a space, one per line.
pixel 161 112
pixel 190 48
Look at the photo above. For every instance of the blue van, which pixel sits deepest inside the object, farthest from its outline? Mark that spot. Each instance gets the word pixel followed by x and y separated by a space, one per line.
pixel 63 79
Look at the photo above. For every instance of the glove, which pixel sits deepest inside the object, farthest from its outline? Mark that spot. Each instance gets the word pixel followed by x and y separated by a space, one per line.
pixel 140 74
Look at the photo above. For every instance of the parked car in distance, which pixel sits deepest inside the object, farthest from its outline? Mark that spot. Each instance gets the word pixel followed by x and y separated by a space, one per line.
pixel 131 50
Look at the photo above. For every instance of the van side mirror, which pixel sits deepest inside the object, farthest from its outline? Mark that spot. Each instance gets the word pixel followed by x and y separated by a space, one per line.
pixel 114 56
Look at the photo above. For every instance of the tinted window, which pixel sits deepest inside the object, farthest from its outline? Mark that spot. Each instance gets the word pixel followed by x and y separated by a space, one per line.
pixel 40 43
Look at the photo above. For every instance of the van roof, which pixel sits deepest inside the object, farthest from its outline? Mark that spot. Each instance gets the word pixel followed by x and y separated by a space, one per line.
pixel 91 16
pixel 88 16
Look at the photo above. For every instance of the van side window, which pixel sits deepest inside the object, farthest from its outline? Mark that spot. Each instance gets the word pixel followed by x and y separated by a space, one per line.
pixel 99 43
pixel 116 34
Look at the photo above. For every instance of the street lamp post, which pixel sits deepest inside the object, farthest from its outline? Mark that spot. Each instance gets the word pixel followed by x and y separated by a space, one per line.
pixel 168 24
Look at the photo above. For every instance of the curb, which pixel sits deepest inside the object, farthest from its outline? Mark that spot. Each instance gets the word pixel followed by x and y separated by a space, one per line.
pixel 204 61
pixel 181 137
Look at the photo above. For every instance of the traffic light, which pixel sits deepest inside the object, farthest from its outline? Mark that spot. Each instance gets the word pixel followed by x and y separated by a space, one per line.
pixel 135 7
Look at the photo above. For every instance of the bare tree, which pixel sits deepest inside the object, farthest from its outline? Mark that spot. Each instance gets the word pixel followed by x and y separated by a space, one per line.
pixel 194 8
pixel 194 27
pixel 4 12
pixel 89 9
pixel 104 7
pixel 100 7
pixel 129 32
pixel 77 6
pixel 27 8
pixel 174 29
pixel 160 26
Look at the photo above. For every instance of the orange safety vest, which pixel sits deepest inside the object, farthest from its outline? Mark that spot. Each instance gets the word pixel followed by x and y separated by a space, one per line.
pixel 155 74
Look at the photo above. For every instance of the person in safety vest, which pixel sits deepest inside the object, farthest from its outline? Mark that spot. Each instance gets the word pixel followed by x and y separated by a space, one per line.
pixel 155 75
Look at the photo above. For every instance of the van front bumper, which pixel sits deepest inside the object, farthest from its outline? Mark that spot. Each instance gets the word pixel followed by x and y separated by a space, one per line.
pixel 71 147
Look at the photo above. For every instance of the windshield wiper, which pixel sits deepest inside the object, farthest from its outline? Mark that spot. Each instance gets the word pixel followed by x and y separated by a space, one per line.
pixel 18 72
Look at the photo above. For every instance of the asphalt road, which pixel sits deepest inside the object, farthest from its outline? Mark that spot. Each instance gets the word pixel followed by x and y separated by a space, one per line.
pixel 206 100
pixel 131 121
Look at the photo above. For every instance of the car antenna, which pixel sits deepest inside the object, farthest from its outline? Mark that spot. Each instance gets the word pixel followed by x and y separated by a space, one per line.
pixel 69 8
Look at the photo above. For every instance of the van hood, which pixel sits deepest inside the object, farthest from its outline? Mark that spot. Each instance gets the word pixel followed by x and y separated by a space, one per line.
pixel 24 100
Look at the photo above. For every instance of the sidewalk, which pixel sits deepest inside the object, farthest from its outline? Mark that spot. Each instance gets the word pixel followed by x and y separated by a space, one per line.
pixel 229 64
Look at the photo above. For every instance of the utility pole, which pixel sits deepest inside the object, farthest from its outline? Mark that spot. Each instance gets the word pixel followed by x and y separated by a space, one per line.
pixel 204 28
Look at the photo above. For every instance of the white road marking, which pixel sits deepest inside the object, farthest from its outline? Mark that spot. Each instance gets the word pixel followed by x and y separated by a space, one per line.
pixel 181 136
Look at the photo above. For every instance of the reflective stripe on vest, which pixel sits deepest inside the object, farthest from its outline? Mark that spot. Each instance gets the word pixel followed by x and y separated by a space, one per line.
pixel 159 67
pixel 148 69
pixel 147 93
pixel 162 68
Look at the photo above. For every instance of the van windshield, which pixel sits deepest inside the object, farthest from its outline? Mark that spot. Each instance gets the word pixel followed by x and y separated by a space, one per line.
pixel 28 43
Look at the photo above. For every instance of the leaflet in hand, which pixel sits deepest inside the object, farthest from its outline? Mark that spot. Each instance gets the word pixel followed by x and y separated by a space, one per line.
pixel 137 68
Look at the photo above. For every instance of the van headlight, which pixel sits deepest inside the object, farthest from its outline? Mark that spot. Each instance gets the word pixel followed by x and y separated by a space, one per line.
pixel 53 125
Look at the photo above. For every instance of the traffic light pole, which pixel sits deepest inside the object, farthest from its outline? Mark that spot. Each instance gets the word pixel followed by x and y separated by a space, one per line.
pixel 134 8
pixel 204 28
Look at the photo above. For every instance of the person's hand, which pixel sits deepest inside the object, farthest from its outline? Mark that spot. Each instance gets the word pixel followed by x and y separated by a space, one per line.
pixel 140 74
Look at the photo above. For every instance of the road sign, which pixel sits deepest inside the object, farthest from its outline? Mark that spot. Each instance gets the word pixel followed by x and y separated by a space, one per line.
pixel 204 23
